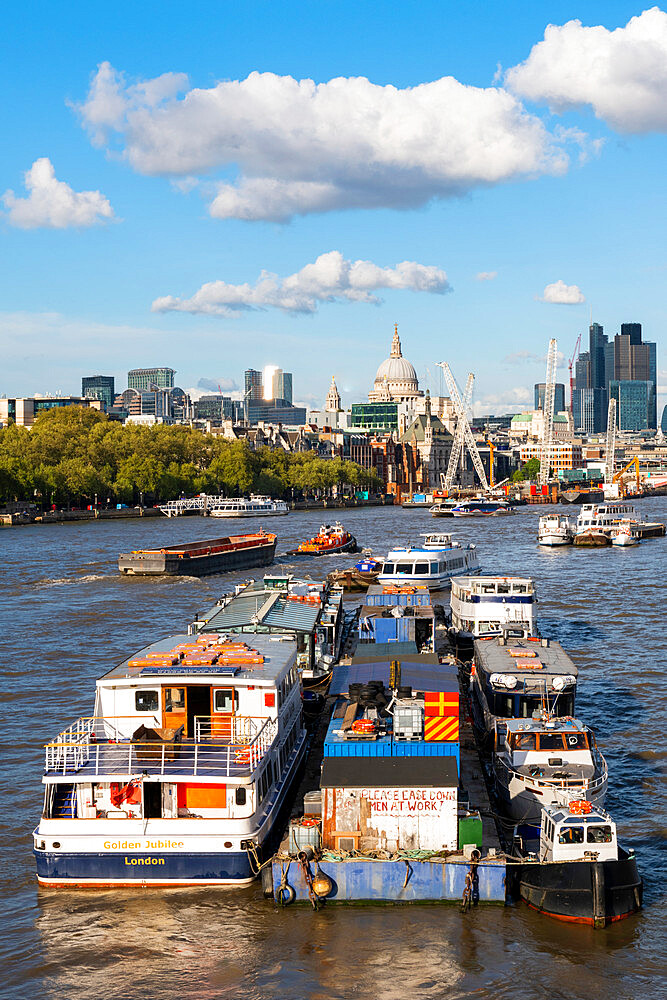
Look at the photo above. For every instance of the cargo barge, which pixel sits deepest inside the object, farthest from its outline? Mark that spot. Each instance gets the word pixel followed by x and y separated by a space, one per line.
pixel 218 555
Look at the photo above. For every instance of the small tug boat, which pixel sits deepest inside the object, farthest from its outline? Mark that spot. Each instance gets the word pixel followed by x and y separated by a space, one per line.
pixel 555 529
pixel 577 871
pixel 330 538
pixel 358 577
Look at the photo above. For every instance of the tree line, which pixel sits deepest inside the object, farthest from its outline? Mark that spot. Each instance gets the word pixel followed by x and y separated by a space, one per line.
pixel 73 454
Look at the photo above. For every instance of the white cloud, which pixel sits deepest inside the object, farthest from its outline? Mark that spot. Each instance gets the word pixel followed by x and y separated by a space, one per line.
pixel 214 384
pixel 621 74
pixel 330 278
pixel 52 203
pixel 486 275
pixel 509 400
pixel 527 357
pixel 301 147
pixel 558 293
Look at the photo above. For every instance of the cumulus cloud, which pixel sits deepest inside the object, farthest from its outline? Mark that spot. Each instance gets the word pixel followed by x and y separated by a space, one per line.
pixel 52 203
pixel 528 357
pixel 486 275
pixel 621 74
pixel 226 384
pixel 331 278
pixel 508 400
pixel 300 147
pixel 558 293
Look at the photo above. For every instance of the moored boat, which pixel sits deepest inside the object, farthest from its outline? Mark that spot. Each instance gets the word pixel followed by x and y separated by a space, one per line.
pixel 577 871
pixel 481 505
pixel 256 506
pixel 555 529
pixel 622 535
pixel 485 605
pixel 184 773
pixel 591 538
pixel 544 761
pixel 433 563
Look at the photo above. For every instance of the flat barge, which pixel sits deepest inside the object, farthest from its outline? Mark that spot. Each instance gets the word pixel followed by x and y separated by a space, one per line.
pixel 217 555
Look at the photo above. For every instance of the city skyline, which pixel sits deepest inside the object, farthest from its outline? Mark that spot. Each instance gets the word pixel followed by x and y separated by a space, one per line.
pixel 130 244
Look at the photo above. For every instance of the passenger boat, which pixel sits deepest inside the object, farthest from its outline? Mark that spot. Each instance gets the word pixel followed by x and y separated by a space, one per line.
pixel 434 563
pixel 545 761
pixel 517 674
pixel 185 771
pixel 484 605
pixel 555 529
pixel 329 539
pixel 217 555
pixel 286 608
pixel 443 509
pixel 603 517
pixel 622 535
pixel 256 506
pixel 481 506
pixel 576 870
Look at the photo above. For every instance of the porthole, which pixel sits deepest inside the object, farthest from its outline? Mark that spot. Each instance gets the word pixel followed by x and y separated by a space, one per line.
pixel 228 843
pixel 56 844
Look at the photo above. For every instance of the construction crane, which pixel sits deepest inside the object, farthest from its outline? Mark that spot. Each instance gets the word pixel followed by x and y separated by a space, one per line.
pixel 463 431
pixel 570 364
pixel 610 446
pixel 459 434
pixel 491 450
pixel 618 476
pixel 548 432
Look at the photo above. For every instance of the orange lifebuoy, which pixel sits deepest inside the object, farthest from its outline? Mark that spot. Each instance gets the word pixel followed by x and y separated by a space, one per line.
pixel 580 807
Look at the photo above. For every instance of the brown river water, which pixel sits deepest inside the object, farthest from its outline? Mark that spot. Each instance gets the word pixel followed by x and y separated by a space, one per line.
pixel 68 616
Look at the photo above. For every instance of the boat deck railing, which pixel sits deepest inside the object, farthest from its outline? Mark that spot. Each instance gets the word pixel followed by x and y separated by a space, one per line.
pixel 93 747
pixel 577 781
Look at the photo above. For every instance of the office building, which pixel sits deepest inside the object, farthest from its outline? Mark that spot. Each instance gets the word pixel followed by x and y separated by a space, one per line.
pixel 24 411
pixel 99 387
pixel 635 403
pixel 634 360
pixel 559 396
pixel 253 386
pixel 146 379
pixel 275 411
pixel 214 408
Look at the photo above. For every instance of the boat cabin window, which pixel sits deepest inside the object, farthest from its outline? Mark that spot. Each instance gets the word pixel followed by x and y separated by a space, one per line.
pixel 434 567
pixel 503 588
pixel 527 706
pixel 599 835
pixel 146 701
pixel 504 705
pixel 576 741
pixel 388 568
pixel 523 741
pixel 571 835
pixel 226 700
pixel 174 699
pixel 404 568
pixel 240 796
pixel 551 741
pixel 421 567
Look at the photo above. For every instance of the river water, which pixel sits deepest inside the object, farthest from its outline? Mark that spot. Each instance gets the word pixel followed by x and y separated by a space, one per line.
pixel 68 616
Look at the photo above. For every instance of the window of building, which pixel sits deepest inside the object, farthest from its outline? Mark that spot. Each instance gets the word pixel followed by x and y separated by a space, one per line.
pixel 146 701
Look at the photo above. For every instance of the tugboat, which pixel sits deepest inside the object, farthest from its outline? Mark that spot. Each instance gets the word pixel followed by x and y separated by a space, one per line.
pixel 577 871
pixel 330 538
pixel 358 577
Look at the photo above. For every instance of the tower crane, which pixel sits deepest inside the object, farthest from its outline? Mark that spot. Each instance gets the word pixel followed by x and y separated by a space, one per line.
pixel 548 432
pixel 463 433
pixel 610 446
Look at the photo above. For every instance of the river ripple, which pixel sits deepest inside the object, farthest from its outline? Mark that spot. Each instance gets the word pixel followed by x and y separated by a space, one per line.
pixel 67 616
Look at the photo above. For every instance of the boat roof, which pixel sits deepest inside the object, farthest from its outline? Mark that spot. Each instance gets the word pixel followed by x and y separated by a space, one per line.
pixel 278 656
pixel 200 547
pixel 553 725
pixel 397 611
pixel 558 813
pixel 476 583
pixel 271 605
pixel 497 655
pixel 422 673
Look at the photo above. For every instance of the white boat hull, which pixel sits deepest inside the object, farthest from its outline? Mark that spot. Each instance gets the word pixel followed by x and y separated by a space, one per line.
pixel 248 513
pixel 551 538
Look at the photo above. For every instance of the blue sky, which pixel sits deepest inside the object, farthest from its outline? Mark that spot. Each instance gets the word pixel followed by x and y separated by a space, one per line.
pixel 477 148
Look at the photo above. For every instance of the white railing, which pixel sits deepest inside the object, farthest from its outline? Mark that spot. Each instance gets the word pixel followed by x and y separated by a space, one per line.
pixel 577 781
pixel 237 728
pixel 98 755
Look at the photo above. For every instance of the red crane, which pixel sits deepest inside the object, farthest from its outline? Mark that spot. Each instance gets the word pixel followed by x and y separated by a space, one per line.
pixel 570 363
